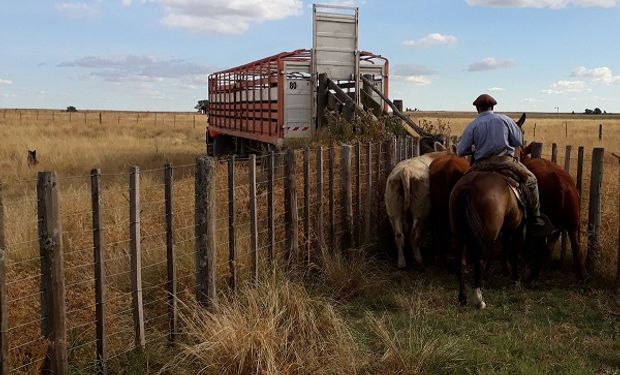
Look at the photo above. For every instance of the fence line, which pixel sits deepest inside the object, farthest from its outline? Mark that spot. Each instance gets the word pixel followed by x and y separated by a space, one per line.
pixel 234 229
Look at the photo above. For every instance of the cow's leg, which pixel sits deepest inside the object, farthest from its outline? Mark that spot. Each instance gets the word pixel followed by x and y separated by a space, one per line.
pixel 479 268
pixel 417 231
pixel 399 237
pixel 573 235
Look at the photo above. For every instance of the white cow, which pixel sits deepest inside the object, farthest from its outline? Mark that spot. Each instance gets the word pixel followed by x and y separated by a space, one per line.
pixel 407 191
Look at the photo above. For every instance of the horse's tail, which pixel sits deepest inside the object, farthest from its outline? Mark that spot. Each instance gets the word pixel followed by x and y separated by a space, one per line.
pixel 474 230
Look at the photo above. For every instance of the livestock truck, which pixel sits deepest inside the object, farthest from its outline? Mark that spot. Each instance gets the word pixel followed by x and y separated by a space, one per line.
pixel 258 106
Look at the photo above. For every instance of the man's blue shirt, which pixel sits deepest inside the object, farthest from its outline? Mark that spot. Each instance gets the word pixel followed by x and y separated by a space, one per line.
pixel 492 134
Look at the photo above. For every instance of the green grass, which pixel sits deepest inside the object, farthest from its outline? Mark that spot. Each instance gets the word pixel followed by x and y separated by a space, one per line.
pixel 409 322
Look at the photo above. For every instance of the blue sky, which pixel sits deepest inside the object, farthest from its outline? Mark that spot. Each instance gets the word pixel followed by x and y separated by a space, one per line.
pixel 532 55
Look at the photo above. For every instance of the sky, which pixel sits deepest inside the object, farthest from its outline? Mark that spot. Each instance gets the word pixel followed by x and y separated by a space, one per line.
pixel 152 55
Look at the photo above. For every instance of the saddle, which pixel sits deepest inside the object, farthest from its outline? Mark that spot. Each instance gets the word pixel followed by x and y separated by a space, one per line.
pixel 512 174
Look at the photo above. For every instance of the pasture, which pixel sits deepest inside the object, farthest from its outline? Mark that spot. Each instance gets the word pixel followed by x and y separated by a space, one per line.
pixel 369 318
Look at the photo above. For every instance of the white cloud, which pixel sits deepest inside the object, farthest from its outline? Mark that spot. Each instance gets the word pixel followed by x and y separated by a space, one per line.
pixel 412 73
pixel 78 9
pixel 496 89
pixel 532 100
pixel 552 4
pixel 564 86
pixel 431 40
pixel 602 75
pixel 490 63
pixel 225 16
pixel 5 81
pixel 132 68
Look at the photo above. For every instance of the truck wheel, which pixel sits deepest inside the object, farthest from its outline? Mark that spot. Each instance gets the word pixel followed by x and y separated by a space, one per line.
pixel 223 145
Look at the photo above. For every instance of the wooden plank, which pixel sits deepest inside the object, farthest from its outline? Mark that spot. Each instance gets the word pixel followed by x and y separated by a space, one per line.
pixel 331 214
pixel 253 217
pixel 271 231
pixel 321 99
pixel 554 152
pixel 580 158
pixel 347 196
pixel 52 273
pixel 232 218
pixel 593 260
pixel 101 355
pixel 537 150
pixel 4 329
pixel 205 219
pixel 357 213
pixel 306 171
pixel 292 215
pixel 368 202
pixel 171 271
pixel 319 199
pixel 136 256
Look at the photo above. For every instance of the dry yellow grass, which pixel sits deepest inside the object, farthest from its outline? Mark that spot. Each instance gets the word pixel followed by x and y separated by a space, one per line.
pixel 71 148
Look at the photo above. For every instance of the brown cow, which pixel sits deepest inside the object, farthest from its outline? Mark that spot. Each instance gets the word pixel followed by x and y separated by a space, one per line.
pixel 444 173
pixel 559 200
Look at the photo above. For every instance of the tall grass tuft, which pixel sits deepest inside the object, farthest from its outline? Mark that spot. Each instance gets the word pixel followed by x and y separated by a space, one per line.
pixel 275 327
pixel 414 348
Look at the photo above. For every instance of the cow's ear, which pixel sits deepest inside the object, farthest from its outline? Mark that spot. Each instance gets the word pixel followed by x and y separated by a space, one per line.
pixel 453 149
pixel 438 146
pixel 527 150
pixel 521 120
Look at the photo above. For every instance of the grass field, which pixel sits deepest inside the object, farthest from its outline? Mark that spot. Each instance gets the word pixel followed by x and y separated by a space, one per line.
pixel 365 317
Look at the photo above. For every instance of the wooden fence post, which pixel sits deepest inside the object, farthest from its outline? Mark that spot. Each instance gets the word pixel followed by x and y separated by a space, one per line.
pixel 331 215
pixel 271 226
pixel 4 344
pixel 136 256
pixel 593 260
pixel 358 195
pixel 292 215
pixel 564 239
pixel 319 198
pixel 554 152
pixel 52 274
pixel 253 217
pixel 617 239
pixel 537 150
pixel 307 204
pixel 368 203
pixel 171 270
pixel 347 196
pixel 416 146
pixel 600 132
pixel 99 257
pixel 205 232
pixel 232 235
pixel 378 189
pixel 580 158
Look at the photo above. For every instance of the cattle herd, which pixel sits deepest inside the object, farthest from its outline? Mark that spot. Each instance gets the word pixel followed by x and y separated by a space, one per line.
pixel 477 215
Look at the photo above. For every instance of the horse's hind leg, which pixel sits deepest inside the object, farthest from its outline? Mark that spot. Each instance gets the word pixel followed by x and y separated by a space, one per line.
pixel 479 268
pixel 460 272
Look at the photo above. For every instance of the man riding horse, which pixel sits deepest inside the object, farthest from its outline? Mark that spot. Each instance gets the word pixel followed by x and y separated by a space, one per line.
pixel 492 139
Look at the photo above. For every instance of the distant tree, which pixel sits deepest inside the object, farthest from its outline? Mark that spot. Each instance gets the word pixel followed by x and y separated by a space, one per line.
pixel 202 106
pixel 71 109
pixel 597 111
pixel 588 111
pixel 573 112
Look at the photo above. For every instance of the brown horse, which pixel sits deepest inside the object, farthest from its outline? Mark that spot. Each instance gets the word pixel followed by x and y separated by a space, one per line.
pixel 444 172
pixel 559 200
pixel 486 220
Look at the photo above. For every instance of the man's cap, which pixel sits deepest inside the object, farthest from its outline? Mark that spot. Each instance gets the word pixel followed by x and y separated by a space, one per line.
pixel 485 101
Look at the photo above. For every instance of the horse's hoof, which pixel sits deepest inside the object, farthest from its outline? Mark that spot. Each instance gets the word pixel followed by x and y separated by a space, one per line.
pixel 482 306
pixel 402 266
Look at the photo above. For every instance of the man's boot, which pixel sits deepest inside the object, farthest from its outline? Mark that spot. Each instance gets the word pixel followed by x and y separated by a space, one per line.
pixel 538 225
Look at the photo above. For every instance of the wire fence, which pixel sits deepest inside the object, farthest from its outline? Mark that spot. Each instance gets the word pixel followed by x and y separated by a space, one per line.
pixel 148 242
